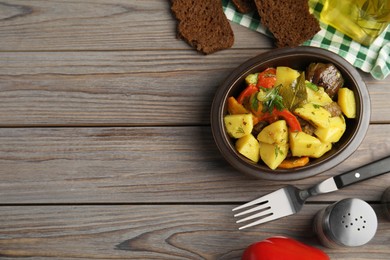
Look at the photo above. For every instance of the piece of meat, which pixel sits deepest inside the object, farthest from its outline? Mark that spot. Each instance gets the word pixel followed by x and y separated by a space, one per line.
pixel 334 109
pixel 325 75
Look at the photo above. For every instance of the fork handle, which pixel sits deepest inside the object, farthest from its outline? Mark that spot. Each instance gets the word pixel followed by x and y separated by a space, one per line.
pixel 363 173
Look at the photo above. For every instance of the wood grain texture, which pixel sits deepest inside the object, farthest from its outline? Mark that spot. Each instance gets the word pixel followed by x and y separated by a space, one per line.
pixel 111 88
pixel 141 165
pixel 105 145
pixel 98 25
pixel 125 88
pixel 156 232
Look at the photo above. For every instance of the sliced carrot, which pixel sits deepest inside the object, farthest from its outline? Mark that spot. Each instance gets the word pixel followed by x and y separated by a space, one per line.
pixel 235 108
pixel 256 120
pixel 294 162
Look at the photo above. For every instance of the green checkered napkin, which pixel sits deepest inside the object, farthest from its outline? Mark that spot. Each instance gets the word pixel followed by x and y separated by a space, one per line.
pixel 374 59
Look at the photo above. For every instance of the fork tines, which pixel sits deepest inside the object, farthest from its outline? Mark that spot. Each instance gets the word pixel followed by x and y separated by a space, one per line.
pixel 264 209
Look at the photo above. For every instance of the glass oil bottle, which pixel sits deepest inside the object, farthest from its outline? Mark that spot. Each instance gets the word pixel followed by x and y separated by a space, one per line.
pixel 362 20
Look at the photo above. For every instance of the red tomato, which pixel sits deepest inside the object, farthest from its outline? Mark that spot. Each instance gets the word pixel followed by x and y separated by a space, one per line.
pixel 282 248
pixel 267 78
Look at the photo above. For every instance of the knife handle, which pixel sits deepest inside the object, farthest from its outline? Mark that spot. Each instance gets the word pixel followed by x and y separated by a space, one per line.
pixel 363 173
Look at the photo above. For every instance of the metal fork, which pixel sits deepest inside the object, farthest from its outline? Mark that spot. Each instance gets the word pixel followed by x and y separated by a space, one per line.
pixel 289 200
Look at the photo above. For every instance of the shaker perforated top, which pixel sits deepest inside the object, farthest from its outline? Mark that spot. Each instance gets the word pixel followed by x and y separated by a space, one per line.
pixel 352 222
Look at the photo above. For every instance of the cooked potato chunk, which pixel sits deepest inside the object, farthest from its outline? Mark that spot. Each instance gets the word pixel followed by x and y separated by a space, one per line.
pixel 249 147
pixel 276 132
pixel 238 126
pixel 347 102
pixel 302 144
pixel 319 97
pixel 322 150
pixel 315 114
pixel 332 133
pixel 283 116
pixel 273 154
pixel 285 76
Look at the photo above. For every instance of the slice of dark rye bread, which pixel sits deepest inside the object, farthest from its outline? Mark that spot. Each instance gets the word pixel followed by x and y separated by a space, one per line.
pixel 244 6
pixel 289 20
pixel 203 24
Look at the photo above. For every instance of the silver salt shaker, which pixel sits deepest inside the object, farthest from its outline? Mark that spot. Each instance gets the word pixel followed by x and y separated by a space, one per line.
pixel 346 223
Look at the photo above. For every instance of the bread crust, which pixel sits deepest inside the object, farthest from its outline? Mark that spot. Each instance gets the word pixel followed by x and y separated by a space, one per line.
pixel 203 24
pixel 290 21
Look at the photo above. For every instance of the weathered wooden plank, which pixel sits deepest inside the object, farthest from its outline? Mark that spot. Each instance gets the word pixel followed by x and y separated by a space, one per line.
pixel 147 164
pixel 118 63
pixel 111 88
pixel 98 25
pixel 155 232
pixel 124 88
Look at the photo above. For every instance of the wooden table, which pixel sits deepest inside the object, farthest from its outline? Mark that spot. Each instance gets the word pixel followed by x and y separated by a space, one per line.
pixel 106 150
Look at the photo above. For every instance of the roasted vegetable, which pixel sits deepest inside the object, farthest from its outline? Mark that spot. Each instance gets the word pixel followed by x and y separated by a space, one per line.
pixel 302 144
pixel 318 97
pixel 333 132
pixel 267 78
pixel 282 248
pixel 294 162
pixel 285 76
pixel 325 75
pixel 292 118
pixel 255 106
pixel 238 126
pixel 249 147
pixel 270 99
pixel 246 93
pixel 251 79
pixel 276 132
pixel 347 102
pixel 235 108
pixel 273 154
pixel 315 114
pixel 325 147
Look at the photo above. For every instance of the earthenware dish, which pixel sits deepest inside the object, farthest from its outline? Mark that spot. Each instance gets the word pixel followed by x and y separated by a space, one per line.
pixel 297 58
